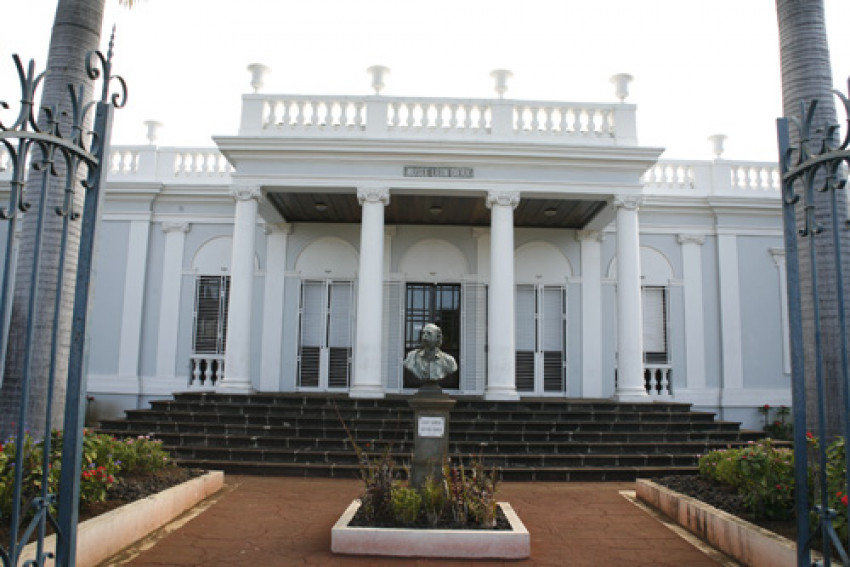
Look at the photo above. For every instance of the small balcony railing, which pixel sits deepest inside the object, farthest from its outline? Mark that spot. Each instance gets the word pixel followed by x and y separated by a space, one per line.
pixel 658 379
pixel 270 115
pixel 206 371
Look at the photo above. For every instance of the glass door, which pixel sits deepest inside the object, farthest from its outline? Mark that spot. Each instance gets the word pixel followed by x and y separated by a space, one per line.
pixel 438 304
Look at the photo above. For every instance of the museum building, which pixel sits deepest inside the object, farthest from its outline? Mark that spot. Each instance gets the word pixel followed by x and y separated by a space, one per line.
pixel 558 255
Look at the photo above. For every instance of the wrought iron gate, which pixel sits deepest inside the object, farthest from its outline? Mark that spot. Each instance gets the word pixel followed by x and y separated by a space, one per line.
pixel 814 185
pixel 32 144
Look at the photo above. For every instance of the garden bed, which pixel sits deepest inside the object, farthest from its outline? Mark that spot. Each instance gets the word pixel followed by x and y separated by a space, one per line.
pixel 108 532
pixel 743 541
pixel 514 543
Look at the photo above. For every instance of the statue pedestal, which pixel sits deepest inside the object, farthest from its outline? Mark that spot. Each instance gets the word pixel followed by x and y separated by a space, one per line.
pixel 431 409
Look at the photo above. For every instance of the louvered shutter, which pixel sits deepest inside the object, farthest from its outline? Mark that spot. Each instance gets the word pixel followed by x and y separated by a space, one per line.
pixel 654 325
pixel 224 303
pixel 211 298
pixel 393 334
pixel 552 340
pixel 473 329
pixel 339 333
pixel 525 308
pixel 312 310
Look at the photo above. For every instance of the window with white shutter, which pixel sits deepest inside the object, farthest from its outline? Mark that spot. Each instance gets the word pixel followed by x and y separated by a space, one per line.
pixel 540 318
pixel 326 327
pixel 211 299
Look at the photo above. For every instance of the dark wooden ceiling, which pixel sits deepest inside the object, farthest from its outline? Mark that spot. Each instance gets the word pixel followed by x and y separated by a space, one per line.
pixel 428 209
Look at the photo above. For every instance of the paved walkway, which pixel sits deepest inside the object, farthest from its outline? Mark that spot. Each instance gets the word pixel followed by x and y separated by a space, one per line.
pixel 287 521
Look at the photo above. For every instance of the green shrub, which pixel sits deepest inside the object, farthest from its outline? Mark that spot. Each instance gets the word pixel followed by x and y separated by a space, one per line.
pixel 762 473
pixel 407 504
pixel 433 500
pixel 836 475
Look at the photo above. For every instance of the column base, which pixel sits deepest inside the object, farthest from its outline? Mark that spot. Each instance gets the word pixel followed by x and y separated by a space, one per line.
pixel 498 394
pixel 636 395
pixel 366 392
pixel 234 387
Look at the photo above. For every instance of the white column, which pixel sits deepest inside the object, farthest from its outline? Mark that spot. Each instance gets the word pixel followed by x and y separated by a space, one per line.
pixel 501 356
pixel 366 381
pixel 134 298
pixel 272 337
pixel 169 307
pixel 237 355
pixel 591 312
pixel 778 255
pixel 730 313
pixel 694 302
pixel 630 384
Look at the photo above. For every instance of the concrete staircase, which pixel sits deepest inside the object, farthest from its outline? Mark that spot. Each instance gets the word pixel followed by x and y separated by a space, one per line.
pixel 527 440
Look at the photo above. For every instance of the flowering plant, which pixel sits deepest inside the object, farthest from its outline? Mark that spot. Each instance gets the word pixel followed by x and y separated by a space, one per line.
pixel 761 472
pixel 104 460
pixel 764 475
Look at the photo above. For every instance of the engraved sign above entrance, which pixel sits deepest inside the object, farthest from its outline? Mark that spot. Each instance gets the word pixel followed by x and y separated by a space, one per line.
pixel 430 171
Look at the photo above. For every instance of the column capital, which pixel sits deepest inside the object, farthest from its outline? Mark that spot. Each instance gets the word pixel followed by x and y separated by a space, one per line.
pixel 170 226
pixel 590 235
pixel 246 192
pixel 503 198
pixel 698 239
pixel 373 195
pixel 628 202
pixel 278 227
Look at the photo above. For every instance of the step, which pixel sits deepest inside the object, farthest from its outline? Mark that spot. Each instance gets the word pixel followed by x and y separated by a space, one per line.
pixel 530 439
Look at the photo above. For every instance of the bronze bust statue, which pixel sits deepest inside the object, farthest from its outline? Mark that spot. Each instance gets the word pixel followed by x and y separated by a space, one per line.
pixel 428 363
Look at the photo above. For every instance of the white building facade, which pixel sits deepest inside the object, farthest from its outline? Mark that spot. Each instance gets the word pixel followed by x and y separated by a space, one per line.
pixel 559 256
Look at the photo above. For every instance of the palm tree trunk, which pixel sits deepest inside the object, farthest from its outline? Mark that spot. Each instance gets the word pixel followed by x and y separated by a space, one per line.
pixel 807 75
pixel 76 31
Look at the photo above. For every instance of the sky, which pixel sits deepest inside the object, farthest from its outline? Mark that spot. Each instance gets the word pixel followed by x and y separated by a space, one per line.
pixel 700 68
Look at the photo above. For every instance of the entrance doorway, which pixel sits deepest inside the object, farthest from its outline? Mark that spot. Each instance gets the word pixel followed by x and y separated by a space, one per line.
pixel 540 340
pixel 439 304
pixel 326 329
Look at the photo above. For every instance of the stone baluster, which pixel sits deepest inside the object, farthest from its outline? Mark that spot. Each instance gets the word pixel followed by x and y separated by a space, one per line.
pixel 286 119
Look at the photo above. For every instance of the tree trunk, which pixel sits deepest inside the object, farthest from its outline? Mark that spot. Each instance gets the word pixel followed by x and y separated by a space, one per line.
pixel 807 75
pixel 76 31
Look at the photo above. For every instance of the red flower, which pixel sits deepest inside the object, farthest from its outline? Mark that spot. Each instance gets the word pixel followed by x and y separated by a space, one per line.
pixel 809 435
pixel 766 406
pixel 844 500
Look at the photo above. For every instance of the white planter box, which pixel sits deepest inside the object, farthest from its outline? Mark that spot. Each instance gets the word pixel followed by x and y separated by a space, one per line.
pixel 737 538
pixel 399 542
pixel 103 536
